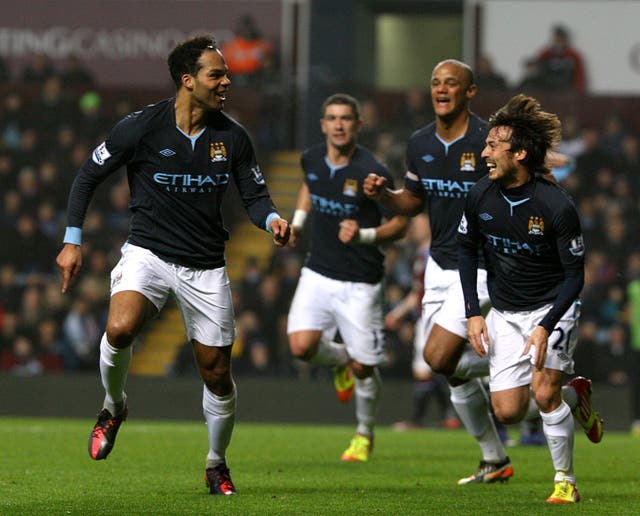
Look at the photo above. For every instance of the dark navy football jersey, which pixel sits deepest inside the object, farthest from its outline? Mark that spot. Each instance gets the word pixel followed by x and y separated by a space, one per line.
pixel 336 194
pixel 444 173
pixel 176 186
pixel 532 244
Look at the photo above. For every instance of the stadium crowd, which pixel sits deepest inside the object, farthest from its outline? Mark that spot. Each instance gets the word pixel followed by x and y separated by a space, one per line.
pixel 51 120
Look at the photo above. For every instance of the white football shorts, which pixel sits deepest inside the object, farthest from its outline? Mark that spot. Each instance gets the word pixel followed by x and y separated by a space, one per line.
pixel 419 365
pixel 508 333
pixel 353 308
pixel 202 295
pixel 443 301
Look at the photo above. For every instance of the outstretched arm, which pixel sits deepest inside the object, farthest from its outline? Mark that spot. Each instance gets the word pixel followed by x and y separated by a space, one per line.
pixel 392 229
pixel 303 208
pixel 401 201
pixel 69 262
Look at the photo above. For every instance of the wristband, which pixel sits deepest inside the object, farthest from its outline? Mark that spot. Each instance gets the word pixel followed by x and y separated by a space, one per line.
pixel 367 235
pixel 72 235
pixel 271 216
pixel 299 217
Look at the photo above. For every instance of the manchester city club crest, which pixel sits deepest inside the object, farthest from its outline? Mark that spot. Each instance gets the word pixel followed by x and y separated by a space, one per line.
pixel 350 188
pixel 218 152
pixel 536 225
pixel 468 162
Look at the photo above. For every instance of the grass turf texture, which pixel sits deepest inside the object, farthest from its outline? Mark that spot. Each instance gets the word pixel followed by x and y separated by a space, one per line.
pixel 157 467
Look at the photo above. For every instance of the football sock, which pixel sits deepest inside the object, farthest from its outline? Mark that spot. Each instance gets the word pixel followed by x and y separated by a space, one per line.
pixel 472 407
pixel 114 367
pixel 558 428
pixel 219 413
pixel 367 393
pixel 330 353
pixel 471 365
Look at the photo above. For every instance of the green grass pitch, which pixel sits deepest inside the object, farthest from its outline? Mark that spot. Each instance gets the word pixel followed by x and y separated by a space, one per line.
pixel 157 467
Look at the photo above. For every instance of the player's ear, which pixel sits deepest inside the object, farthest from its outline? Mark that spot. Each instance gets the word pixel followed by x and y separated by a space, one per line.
pixel 520 154
pixel 471 91
pixel 187 81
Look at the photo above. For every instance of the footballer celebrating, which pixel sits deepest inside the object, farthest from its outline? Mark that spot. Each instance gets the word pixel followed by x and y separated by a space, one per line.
pixel 180 155
pixel 340 286
pixel 529 232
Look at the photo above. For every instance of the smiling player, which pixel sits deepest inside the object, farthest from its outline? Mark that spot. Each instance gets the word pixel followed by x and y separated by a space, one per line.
pixel 180 154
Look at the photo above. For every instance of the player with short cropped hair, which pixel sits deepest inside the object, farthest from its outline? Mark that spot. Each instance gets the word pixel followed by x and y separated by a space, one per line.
pixel 443 163
pixel 180 154
pixel 530 236
pixel 340 287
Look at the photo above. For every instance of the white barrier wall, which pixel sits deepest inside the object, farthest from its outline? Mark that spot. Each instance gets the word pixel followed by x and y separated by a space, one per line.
pixel 607 33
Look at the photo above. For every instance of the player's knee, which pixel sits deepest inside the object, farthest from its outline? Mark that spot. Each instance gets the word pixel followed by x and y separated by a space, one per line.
pixel 437 361
pixel 361 371
pixel 546 400
pixel 218 379
pixel 120 334
pixel 302 349
pixel 508 414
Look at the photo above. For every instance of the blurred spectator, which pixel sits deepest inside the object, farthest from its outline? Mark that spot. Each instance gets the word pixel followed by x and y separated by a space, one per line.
pixel 52 109
pixel 414 112
pixel 612 135
pixel 76 75
pixel 81 329
pixel 272 312
pixel 13 119
pixel 90 121
pixel 28 247
pixel 426 384
pixel 38 69
pixel 8 329
pixel 50 346
pixel 629 161
pixel 32 309
pixel 614 356
pixel 20 359
pixel 10 211
pixel 388 150
pixel 9 290
pixel 561 66
pixel 587 349
pixel 371 124
pixel 248 54
pixel 532 81
pixel 250 283
pixel 5 71
pixel 487 78
pixel 29 147
pixel 572 143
